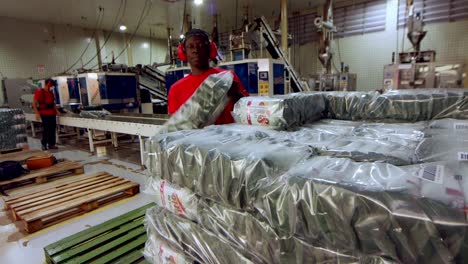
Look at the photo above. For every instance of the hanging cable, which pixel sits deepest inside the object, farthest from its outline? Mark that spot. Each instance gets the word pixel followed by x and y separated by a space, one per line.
pixel 146 8
pixel 183 19
pixel 93 36
pixel 118 17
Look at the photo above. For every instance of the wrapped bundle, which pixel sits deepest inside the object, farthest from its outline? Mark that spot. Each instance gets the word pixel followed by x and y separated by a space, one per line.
pixel 95 114
pixel 370 207
pixel 321 133
pixel 412 132
pixel 158 252
pixel 221 165
pixel 394 144
pixel 443 148
pixel 205 105
pixel 419 104
pixel 279 112
pixel 178 200
pixel 12 129
pixel 348 105
pixel 186 236
pixel 398 105
pixel 447 126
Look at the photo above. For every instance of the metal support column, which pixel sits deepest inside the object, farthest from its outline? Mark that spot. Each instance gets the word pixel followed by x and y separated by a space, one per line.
pixel 33 129
pixel 284 26
pixel 142 150
pixel 91 142
pixel 114 140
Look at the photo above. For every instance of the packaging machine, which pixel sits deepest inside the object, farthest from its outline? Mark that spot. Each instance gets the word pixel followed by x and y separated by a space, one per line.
pixel 419 69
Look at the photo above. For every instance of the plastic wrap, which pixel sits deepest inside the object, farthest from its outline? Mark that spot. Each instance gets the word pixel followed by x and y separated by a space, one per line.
pixel 372 150
pixel 204 106
pixel 392 143
pixel 95 114
pixel 180 201
pixel 279 112
pixel 377 208
pixel 221 165
pixel 348 105
pixel 158 252
pixel 443 148
pixel 454 127
pixel 186 236
pixel 399 105
pixel 419 104
pixel 249 234
pixel 12 129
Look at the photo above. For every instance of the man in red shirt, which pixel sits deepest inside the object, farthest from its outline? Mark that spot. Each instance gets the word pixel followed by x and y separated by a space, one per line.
pixel 46 110
pixel 198 50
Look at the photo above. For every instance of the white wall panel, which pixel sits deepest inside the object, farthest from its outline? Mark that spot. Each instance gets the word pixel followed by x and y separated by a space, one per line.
pixel 25 44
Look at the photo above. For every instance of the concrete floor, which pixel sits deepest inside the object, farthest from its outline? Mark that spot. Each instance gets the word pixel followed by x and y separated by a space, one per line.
pixel 19 247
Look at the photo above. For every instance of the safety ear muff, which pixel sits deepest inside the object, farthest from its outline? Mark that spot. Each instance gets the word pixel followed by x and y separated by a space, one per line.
pixel 181 52
pixel 213 50
pixel 183 56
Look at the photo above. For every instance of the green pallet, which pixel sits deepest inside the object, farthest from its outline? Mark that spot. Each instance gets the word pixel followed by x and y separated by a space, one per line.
pixel 119 240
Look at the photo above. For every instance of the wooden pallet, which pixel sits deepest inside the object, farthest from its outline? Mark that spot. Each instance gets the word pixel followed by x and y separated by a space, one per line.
pixel 5 151
pixel 21 156
pixel 42 207
pixel 44 175
pixel 119 240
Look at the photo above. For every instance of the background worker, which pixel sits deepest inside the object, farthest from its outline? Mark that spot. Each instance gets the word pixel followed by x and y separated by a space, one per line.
pixel 46 110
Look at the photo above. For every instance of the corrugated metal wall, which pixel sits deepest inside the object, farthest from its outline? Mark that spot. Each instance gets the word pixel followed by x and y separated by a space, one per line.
pixel 368 53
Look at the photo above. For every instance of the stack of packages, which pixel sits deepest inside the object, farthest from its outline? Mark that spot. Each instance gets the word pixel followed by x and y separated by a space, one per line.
pixel 12 129
pixel 399 105
pixel 280 112
pixel 328 192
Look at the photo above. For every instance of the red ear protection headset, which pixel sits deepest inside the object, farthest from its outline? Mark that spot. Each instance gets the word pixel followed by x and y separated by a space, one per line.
pixel 196 32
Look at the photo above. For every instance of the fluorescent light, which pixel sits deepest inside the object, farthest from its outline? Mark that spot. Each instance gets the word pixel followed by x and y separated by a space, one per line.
pixel 122 28
pixel 145 45
pixel 198 2
pixel 181 36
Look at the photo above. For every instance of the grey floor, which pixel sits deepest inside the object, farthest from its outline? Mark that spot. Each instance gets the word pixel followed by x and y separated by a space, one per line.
pixel 16 247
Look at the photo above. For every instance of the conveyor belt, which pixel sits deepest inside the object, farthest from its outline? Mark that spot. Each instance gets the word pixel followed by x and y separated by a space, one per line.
pixel 131 124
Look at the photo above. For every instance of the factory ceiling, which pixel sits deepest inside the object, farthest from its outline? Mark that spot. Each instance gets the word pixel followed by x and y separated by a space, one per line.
pixel 147 15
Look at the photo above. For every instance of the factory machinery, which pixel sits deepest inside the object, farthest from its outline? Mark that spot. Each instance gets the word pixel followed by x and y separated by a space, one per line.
pixel 264 76
pixel 328 80
pixel 419 69
pixel 113 91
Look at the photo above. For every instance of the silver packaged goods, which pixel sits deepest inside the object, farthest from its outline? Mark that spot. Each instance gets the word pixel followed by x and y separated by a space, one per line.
pixel 279 112
pixel 348 105
pixel 205 105
pixel 242 230
pixel 221 165
pixel 186 236
pixel 399 105
pixel 97 114
pixel 241 194
pixel 12 129
pixel 157 251
pixel 391 143
pixel 372 207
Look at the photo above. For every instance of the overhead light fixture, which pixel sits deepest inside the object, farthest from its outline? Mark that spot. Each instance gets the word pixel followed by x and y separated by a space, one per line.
pixel 145 45
pixel 122 28
pixel 181 36
pixel 198 2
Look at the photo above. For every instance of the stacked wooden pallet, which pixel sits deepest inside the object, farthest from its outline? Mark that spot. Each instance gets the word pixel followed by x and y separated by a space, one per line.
pixel 119 240
pixel 65 168
pixel 21 156
pixel 5 151
pixel 43 205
